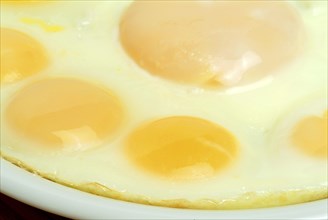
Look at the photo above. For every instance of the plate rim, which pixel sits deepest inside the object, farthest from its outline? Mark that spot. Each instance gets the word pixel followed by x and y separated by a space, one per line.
pixel 72 203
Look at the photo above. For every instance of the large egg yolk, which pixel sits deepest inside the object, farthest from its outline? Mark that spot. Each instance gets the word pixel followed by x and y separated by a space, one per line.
pixel 63 112
pixel 21 56
pixel 211 43
pixel 310 136
pixel 181 148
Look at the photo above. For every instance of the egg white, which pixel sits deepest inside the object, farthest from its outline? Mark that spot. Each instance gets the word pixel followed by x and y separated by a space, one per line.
pixel 89 48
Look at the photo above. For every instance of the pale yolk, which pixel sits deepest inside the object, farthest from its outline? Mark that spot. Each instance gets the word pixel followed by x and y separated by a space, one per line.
pixel 181 148
pixel 64 113
pixel 310 136
pixel 211 43
pixel 21 56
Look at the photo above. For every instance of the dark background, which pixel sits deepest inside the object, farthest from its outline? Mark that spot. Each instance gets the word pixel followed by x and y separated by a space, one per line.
pixel 11 209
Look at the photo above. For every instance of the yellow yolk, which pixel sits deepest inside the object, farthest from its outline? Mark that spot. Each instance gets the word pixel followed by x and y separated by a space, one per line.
pixel 211 43
pixel 21 56
pixel 181 148
pixel 62 112
pixel 45 26
pixel 310 136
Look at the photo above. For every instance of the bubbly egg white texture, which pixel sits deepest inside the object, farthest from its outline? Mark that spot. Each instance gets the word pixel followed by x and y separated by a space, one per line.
pixel 82 42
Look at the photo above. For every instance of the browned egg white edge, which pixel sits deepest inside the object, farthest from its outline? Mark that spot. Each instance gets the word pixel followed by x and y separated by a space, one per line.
pixel 249 200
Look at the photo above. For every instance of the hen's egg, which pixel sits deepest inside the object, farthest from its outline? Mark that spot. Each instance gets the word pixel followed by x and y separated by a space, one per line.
pixel 161 147
pixel 80 115
pixel 202 42
pixel 310 135
pixel 21 55
pixel 113 98
pixel 304 131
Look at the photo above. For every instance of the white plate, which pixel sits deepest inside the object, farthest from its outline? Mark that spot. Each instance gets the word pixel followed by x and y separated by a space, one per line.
pixel 71 203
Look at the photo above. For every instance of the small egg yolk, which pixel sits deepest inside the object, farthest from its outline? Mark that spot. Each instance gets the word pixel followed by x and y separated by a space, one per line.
pixel 181 148
pixel 211 43
pixel 310 136
pixel 64 113
pixel 21 56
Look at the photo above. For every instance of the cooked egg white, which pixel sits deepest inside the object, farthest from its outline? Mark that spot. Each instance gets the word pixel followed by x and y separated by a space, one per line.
pixel 97 117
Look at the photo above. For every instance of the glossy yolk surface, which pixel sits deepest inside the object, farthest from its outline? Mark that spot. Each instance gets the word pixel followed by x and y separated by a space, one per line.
pixel 181 148
pixel 310 136
pixel 62 112
pixel 211 43
pixel 21 56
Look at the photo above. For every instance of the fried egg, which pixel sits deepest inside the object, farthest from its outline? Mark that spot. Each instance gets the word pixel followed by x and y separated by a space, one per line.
pixel 189 104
